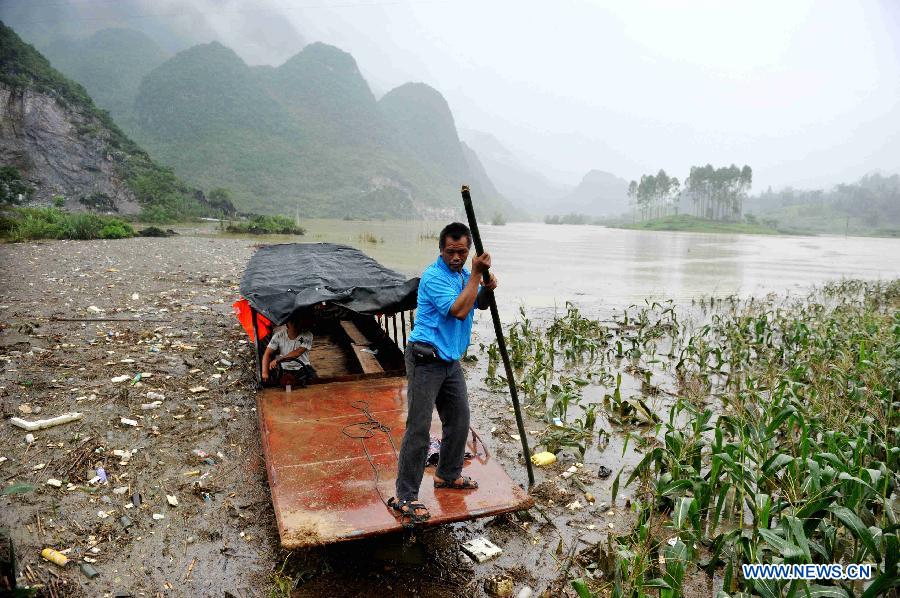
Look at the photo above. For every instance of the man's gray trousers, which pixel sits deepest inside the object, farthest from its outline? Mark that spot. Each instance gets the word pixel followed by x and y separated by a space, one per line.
pixel 438 384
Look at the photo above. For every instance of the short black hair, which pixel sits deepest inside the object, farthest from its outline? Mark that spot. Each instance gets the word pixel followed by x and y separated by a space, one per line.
pixel 456 231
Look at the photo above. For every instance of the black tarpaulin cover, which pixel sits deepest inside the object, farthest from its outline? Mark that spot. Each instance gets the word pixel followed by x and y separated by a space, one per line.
pixel 283 278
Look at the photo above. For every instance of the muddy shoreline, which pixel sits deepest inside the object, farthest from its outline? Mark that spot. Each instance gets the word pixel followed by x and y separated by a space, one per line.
pixel 172 298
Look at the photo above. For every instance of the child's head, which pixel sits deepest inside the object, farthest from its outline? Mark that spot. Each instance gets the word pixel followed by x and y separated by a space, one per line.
pixel 299 321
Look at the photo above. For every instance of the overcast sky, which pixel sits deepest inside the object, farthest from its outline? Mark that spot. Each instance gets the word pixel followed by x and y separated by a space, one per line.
pixel 806 92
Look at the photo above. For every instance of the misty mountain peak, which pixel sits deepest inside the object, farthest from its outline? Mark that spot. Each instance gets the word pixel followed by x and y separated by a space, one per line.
pixel 324 55
pixel 600 176
pixel 421 93
pixel 204 89
pixel 213 50
pixel 422 122
pixel 325 75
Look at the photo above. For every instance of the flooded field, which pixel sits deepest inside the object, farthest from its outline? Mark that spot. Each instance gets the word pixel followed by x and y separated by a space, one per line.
pixel 176 295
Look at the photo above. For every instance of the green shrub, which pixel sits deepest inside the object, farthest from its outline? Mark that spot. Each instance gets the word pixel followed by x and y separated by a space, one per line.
pixel 117 230
pixel 266 225
pixel 24 224
pixel 157 215
pixel 80 226
pixel 33 225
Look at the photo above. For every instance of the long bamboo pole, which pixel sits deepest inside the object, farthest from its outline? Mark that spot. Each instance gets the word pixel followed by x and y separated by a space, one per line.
pixel 498 331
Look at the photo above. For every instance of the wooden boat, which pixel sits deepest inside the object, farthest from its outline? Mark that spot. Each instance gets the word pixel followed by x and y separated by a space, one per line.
pixel 331 446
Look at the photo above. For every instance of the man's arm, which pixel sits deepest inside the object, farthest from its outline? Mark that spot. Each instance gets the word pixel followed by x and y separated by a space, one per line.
pixel 466 299
pixel 292 355
pixel 464 302
pixel 267 362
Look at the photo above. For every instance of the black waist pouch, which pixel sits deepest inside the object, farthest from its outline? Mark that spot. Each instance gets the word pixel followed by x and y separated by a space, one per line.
pixel 423 354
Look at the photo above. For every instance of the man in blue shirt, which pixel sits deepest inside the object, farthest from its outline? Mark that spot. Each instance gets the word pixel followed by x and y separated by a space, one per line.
pixel 448 296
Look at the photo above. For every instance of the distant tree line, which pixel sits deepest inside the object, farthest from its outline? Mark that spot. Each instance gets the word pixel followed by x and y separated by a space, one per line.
pixel 874 200
pixel 571 218
pixel 716 193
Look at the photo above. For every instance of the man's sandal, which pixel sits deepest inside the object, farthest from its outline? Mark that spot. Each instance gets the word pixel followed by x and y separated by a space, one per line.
pixel 463 483
pixel 407 511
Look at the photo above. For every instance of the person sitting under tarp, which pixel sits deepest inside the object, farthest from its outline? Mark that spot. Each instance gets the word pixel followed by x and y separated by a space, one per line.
pixel 286 359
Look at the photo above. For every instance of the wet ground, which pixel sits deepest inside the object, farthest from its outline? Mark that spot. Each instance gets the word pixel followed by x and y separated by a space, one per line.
pixel 78 315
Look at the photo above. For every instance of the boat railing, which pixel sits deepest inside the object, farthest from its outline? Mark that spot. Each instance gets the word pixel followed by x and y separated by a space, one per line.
pixel 397 326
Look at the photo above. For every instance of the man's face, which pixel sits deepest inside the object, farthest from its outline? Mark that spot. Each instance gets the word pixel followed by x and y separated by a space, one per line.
pixel 455 252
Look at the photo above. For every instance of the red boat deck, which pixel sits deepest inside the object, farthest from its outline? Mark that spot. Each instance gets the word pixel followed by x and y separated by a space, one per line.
pixel 323 483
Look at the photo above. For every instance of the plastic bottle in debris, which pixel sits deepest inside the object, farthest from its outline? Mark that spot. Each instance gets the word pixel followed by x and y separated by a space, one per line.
pixel 543 459
pixel 54 556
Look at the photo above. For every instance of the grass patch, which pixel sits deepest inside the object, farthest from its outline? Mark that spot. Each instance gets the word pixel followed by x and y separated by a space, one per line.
pixel 683 222
pixel 266 225
pixel 25 224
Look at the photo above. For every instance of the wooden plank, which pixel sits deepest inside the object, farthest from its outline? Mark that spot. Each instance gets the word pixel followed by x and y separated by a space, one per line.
pixel 367 361
pixel 355 334
pixel 324 486
pixel 360 345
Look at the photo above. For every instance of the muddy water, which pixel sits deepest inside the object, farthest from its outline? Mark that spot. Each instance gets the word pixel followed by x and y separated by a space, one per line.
pixel 597 267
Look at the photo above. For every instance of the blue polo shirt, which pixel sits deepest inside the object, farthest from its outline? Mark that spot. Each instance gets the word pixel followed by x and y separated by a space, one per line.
pixel 439 287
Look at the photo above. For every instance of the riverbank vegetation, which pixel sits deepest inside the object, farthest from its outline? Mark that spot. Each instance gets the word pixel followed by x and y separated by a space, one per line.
pixel 684 222
pixel 26 224
pixel 870 206
pixel 265 225
pixel 779 444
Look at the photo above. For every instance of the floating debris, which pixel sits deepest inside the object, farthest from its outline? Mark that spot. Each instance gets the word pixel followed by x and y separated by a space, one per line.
pixel 481 549
pixel 45 423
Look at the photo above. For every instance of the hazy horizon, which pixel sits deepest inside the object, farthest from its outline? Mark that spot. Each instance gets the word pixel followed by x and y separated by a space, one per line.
pixel 807 93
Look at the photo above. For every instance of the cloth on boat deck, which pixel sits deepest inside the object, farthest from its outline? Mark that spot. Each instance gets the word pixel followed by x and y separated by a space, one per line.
pixel 280 279
pixel 434 451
